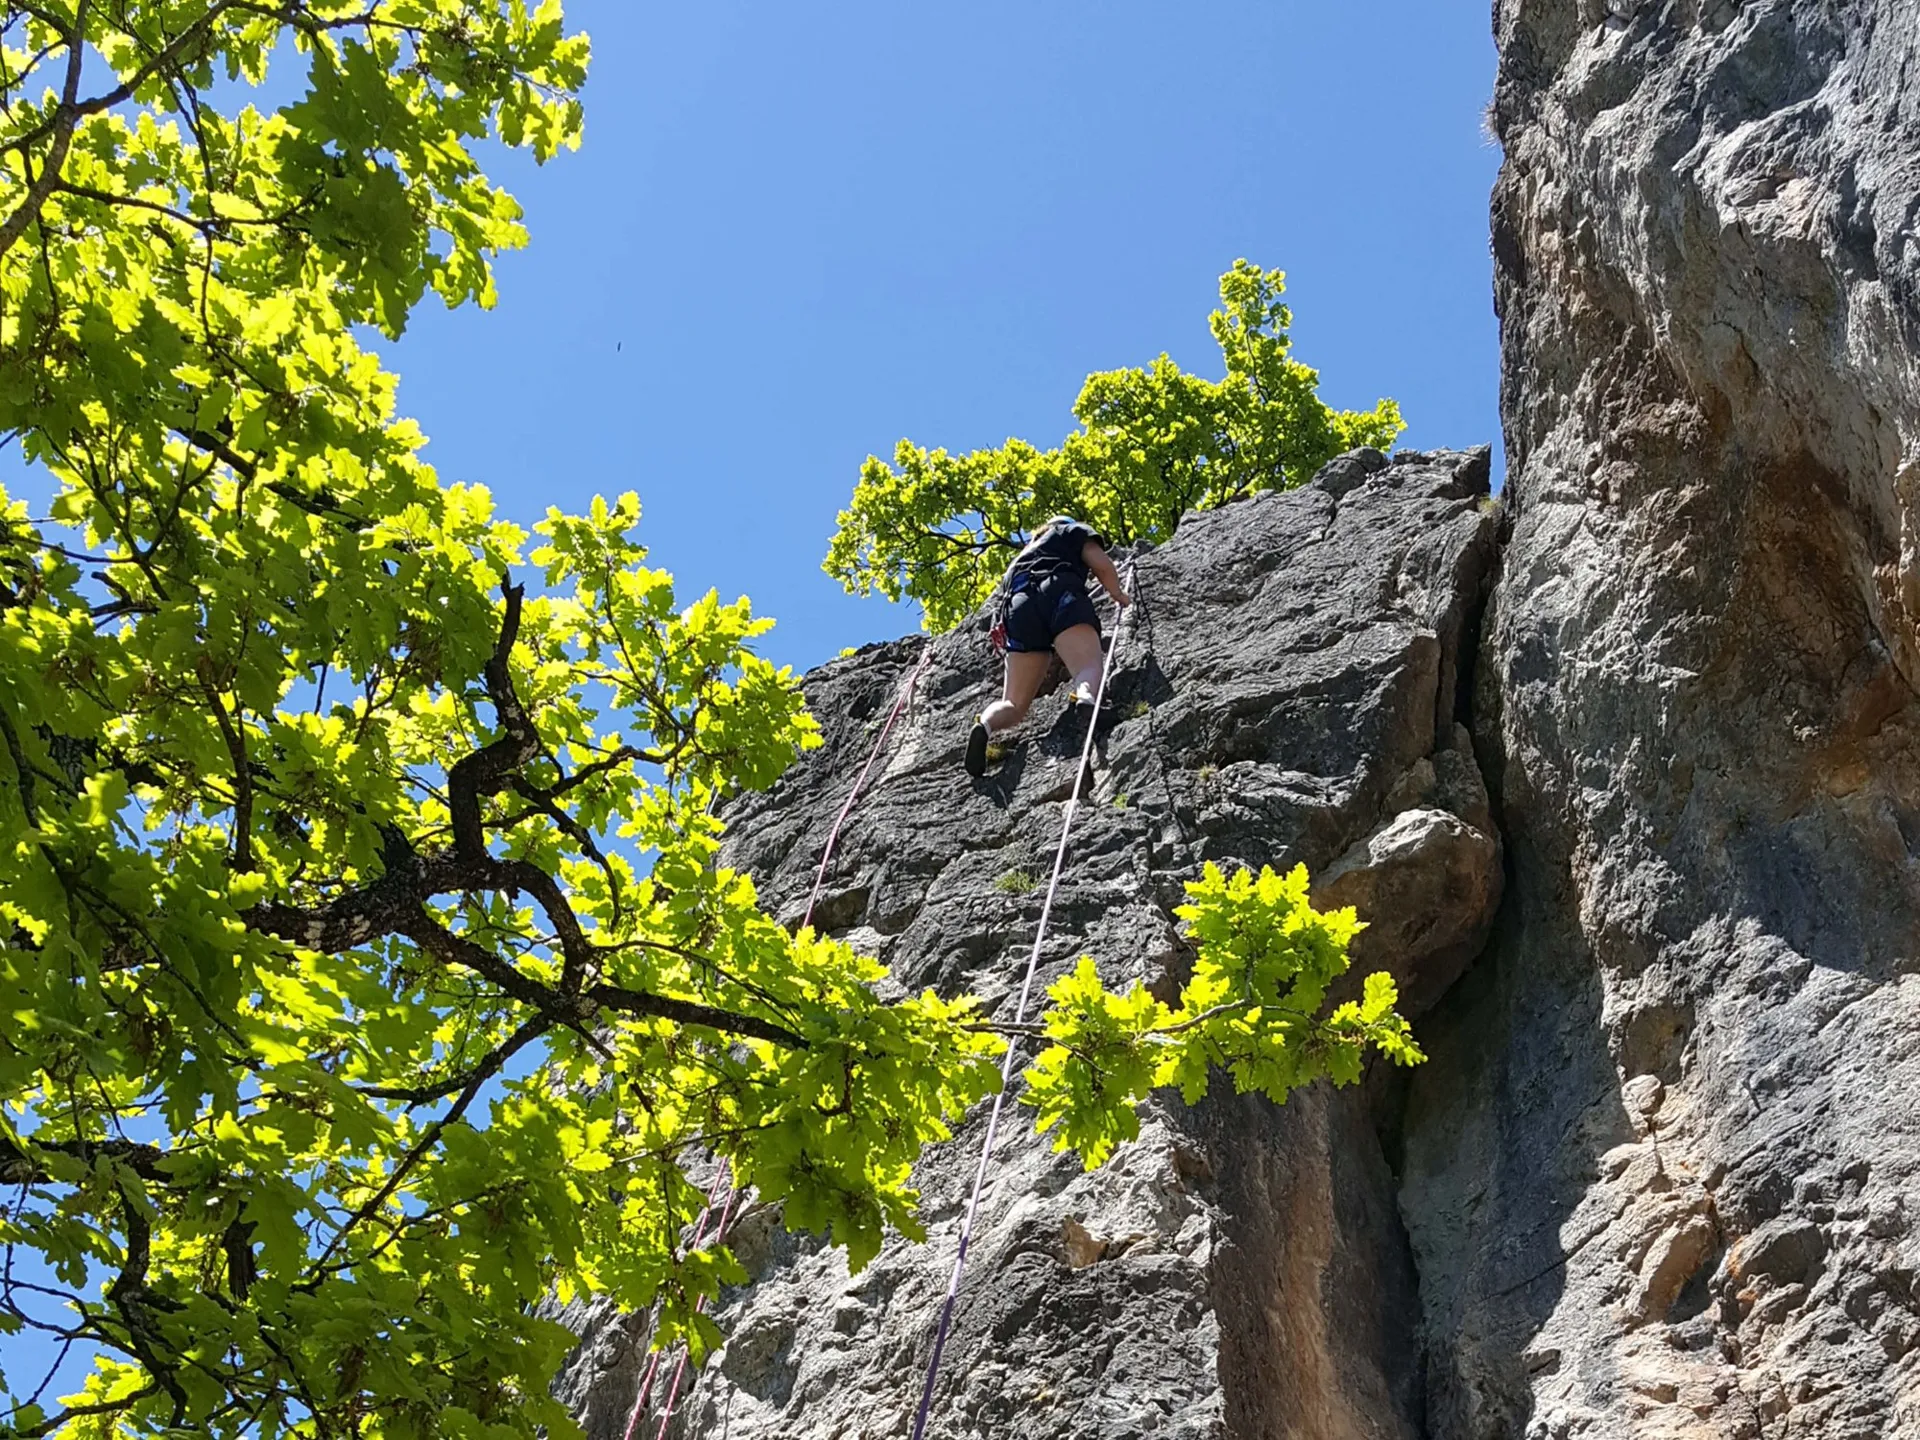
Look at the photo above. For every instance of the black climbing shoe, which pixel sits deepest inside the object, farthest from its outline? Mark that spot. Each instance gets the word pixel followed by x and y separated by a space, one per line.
pixel 977 750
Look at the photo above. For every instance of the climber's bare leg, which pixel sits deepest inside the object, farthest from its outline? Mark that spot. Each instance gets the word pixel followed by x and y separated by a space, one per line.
pixel 1079 650
pixel 1026 669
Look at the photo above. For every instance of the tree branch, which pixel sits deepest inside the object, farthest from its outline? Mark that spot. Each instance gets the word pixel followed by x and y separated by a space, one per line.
pixel 232 731
pixel 688 1012
pixel 622 756
pixel 321 506
pixel 73 1412
pixel 65 118
pixel 395 905
pixel 490 771
pixel 398 902
pixel 486 772
pixel 71 113
pixel 531 1029
pixel 540 802
pixel 210 225
pixel 17 1167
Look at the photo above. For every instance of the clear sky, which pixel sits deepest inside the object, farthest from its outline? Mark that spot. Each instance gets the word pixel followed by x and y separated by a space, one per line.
pixel 798 233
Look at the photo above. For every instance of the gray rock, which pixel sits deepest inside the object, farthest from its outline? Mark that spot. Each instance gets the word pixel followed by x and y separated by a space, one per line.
pixel 1782 1251
pixel 1659 1177
pixel 1431 883
pixel 1657 1174
pixel 1288 688
pixel 1346 472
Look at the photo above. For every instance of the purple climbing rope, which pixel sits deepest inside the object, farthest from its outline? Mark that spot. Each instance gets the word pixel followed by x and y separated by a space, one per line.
pixel 900 703
pixel 1013 1046
pixel 699 1307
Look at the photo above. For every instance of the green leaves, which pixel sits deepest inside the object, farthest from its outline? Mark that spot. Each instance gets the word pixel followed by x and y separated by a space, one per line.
pixel 1253 1007
pixel 1089 1082
pixel 1152 444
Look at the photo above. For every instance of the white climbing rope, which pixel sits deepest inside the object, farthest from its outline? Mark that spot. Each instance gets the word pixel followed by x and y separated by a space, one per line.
pixel 1013 1042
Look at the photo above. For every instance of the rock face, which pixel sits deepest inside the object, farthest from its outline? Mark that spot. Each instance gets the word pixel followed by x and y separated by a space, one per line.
pixel 1289 688
pixel 1660 1176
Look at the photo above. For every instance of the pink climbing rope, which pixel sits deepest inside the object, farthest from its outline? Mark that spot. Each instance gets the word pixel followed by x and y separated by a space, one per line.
pixel 653 1360
pixel 833 835
pixel 900 703
pixel 699 1306
pixel 1013 1046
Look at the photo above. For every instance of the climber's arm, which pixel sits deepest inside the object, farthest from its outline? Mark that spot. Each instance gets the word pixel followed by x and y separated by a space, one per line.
pixel 1096 560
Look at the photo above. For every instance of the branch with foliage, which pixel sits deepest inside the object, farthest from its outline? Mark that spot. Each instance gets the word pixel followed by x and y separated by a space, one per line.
pixel 367 972
pixel 1153 444
pixel 1264 960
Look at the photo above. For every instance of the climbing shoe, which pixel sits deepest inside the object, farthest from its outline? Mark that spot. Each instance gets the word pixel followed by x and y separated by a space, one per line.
pixel 1083 694
pixel 977 749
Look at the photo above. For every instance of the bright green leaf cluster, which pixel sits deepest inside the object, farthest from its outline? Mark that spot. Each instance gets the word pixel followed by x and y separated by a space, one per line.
pixel 1105 1057
pixel 1152 444
pixel 1252 1007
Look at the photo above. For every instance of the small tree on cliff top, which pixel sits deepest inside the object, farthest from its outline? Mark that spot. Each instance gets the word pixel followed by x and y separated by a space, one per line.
pixel 1152 444
pixel 330 804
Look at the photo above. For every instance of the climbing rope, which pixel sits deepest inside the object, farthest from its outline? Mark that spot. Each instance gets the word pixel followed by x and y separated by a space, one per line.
pixel 721 1184
pixel 833 836
pixel 1142 615
pixel 1013 1042
pixel 653 1360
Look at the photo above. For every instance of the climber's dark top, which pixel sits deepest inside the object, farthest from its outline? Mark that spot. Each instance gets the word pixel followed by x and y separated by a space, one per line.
pixel 1047 587
pixel 1055 554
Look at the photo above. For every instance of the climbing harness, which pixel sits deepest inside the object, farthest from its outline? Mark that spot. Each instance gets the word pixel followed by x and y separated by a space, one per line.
pixel 1046 572
pixel 1013 1042
pixel 721 1183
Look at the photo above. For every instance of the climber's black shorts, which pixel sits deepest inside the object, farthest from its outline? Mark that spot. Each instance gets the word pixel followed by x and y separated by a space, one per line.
pixel 1036 616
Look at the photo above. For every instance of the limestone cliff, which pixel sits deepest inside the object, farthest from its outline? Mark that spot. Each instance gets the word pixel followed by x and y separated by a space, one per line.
pixel 1660 1178
pixel 1625 769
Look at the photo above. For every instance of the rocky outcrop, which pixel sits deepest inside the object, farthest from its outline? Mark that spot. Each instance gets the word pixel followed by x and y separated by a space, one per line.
pixel 1289 688
pixel 1660 1176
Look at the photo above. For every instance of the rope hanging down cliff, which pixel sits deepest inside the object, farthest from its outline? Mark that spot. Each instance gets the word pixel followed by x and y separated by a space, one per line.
pixel 1013 1042
pixel 723 1191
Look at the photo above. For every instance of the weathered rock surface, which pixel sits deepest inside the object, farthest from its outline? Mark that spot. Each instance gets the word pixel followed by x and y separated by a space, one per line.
pixel 1288 689
pixel 1660 1178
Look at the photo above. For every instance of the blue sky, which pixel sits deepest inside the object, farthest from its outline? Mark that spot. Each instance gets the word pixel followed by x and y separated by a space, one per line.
pixel 796 234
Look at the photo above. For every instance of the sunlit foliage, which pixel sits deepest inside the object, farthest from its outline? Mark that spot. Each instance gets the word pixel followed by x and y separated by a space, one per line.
pixel 1151 445
pixel 367 971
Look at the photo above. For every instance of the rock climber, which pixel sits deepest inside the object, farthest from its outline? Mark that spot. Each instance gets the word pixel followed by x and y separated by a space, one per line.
pixel 1045 610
